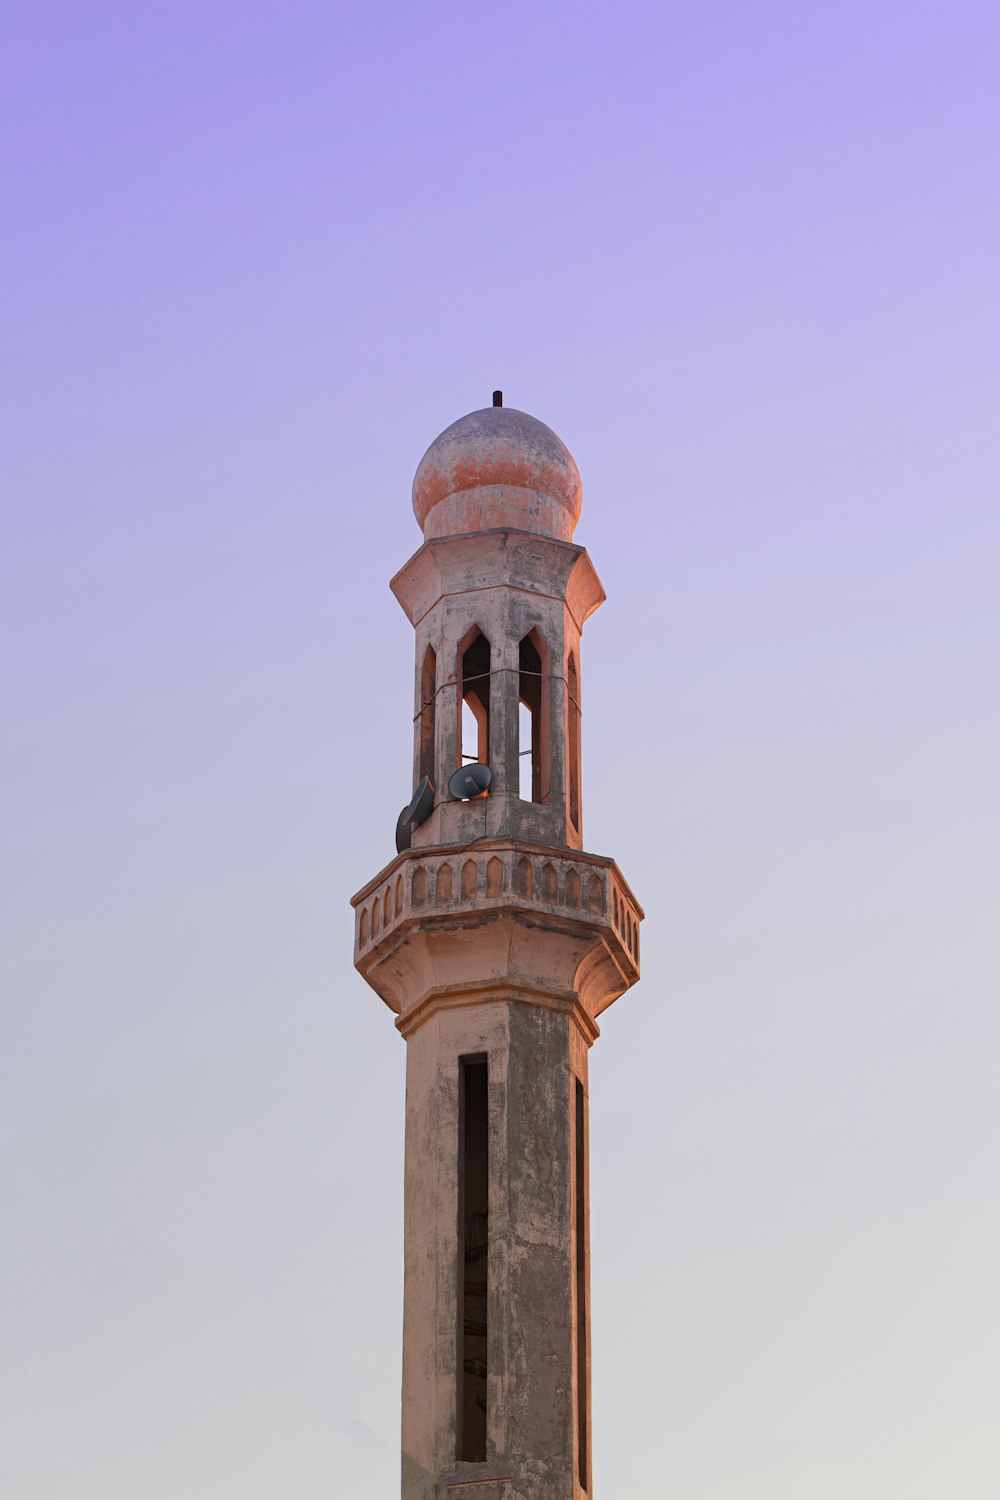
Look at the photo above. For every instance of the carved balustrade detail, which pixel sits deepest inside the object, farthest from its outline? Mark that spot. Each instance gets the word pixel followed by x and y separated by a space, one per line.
pixel 498 877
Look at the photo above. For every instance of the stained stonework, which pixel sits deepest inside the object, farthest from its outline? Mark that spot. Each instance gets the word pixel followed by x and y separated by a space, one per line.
pixel 497 941
pixel 497 467
pixel 414 921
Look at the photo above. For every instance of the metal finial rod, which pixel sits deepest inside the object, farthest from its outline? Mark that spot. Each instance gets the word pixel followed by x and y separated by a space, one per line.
pixel 498 398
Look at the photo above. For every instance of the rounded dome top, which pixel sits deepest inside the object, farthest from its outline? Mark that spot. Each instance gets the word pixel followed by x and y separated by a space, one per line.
pixel 494 468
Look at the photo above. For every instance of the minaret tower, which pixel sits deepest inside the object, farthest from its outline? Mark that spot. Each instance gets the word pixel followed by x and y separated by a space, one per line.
pixel 497 942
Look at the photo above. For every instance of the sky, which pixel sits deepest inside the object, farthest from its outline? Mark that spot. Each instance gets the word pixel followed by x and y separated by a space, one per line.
pixel 744 259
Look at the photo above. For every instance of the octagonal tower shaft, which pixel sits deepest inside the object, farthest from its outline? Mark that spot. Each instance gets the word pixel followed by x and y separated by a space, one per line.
pixel 498 617
pixel 497 941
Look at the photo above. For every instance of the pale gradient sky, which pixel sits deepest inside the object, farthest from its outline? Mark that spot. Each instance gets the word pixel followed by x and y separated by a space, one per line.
pixel 744 258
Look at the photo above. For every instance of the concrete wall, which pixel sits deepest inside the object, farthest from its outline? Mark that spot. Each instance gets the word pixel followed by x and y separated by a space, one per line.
pixel 534 1056
pixel 506 584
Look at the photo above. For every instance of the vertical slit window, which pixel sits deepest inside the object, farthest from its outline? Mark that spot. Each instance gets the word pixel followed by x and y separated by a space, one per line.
pixel 573 740
pixel 530 721
pixel 473 1259
pixel 474 728
pixel 428 701
pixel 580 1174
pixel 524 757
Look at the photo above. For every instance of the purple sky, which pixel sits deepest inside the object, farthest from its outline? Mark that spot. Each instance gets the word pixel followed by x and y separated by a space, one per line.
pixel 744 259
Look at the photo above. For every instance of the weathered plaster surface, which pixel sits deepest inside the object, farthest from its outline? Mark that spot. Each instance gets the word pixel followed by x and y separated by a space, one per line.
pixel 496 936
pixel 506 584
pixel 497 467
pixel 453 922
pixel 533 1062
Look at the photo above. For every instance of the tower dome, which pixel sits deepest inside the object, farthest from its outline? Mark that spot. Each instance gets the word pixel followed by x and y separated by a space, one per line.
pixel 497 467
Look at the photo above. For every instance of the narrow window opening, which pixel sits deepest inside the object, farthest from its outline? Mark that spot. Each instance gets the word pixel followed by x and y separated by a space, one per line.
pixel 524 757
pixel 475 708
pixel 473 1259
pixel 471 727
pixel 573 740
pixel 581 1287
pixel 530 721
pixel 428 701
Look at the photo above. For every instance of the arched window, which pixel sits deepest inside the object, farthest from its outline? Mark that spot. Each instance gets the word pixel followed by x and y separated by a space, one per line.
pixel 531 730
pixel 428 702
pixel 474 727
pixel 573 740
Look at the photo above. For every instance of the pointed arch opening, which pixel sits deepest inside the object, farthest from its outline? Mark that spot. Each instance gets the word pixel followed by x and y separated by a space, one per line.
pixel 533 735
pixel 474 708
pixel 428 714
